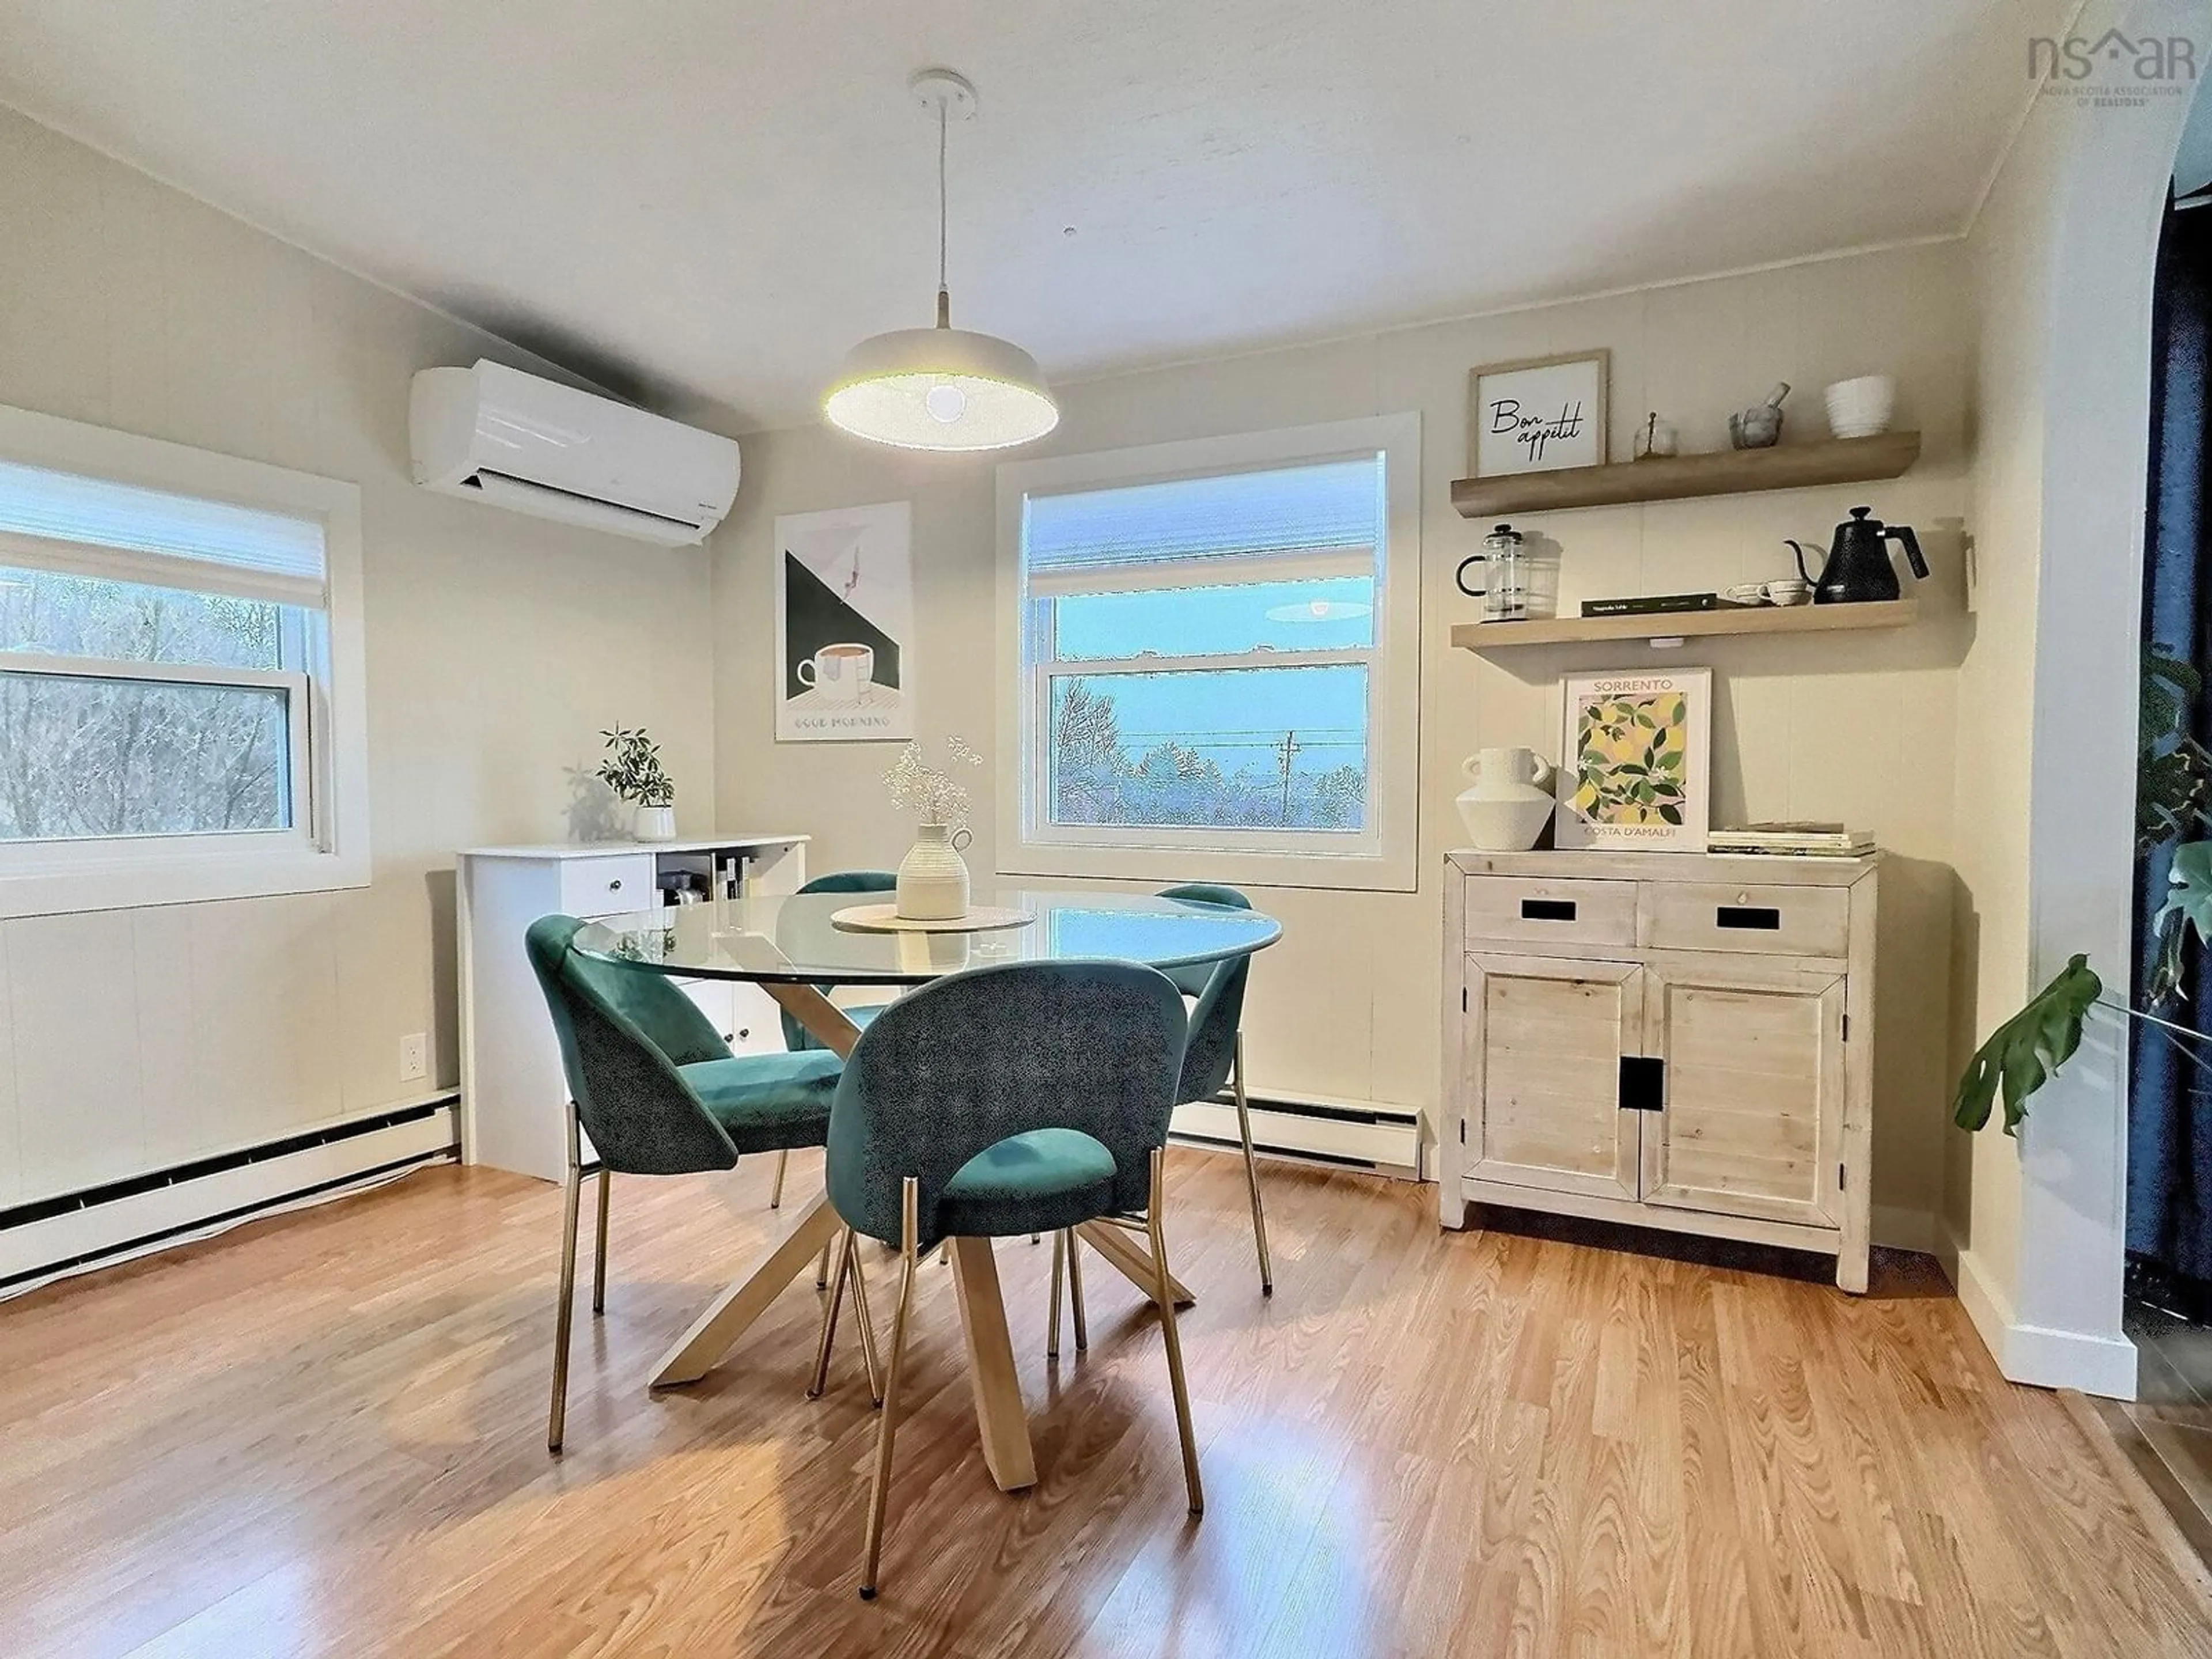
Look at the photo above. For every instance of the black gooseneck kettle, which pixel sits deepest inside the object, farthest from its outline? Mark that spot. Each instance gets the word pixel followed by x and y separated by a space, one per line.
pixel 1858 567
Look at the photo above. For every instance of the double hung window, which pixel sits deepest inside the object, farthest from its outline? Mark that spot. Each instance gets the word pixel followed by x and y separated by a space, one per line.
pixel 1216 661
pixel 167 668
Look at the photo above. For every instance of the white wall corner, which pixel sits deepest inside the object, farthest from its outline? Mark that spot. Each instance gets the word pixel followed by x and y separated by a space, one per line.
pixel 2034 1355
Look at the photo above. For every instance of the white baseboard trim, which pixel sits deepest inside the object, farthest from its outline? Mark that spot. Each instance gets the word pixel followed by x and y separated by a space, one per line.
pixel 1383 1138
pixel 2036 1355
pixel 101 1231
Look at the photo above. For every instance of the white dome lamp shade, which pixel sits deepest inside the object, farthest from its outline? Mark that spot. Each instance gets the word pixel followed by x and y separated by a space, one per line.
pixel 941 388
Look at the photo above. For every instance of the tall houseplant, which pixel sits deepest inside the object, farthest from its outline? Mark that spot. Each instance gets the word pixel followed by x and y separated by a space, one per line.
pixel 633 770
pixel 2173 807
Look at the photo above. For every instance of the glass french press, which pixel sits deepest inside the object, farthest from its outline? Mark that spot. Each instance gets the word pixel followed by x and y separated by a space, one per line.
pixel 1505 590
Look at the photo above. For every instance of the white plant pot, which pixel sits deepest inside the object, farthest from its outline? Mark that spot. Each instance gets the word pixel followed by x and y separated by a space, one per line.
pixel 1510 801
pixel 933 877
pixel 1861 408
pixel 655 823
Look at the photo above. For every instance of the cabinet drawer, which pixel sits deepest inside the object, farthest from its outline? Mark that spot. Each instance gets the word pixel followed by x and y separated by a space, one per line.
pixel 607 887
pixel 1795 921
pixel 1540 910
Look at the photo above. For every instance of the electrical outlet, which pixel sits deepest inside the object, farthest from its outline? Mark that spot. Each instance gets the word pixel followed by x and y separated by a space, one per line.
pixel 414 1057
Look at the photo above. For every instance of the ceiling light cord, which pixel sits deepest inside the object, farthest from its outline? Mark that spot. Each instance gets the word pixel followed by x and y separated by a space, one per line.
pixel 944 293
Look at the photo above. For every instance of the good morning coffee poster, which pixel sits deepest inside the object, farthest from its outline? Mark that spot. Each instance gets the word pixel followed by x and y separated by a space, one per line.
pixel 844 622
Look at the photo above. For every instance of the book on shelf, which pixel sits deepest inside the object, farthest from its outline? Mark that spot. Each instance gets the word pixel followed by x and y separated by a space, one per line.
pixel 1797 840
pixel 1653 605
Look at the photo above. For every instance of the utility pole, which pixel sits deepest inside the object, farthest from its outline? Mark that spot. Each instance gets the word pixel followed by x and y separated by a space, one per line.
pixel 1290 747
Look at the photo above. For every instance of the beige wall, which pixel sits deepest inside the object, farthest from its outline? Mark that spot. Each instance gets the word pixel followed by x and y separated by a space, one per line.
pixel 1860 727
pixel 2009 264
pixel 497 646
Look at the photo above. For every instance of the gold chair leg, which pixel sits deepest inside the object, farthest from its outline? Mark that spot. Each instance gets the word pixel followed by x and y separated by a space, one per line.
pixel 1252 1170
pixel 844 1243
pixel 599 1253
pixel 821 1267
pixel 1059 1272
pixel 776 1192
pixel 1075 1290
pixel 880 1489
pixel 557 1419
pixel 1165 1298
pixel 867 1321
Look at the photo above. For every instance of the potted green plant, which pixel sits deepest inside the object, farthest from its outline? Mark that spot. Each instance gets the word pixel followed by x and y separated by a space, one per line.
pixel 633 770
pixel 2173 806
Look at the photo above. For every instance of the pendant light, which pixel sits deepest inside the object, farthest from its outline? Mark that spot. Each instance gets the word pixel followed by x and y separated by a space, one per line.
pixel 941 388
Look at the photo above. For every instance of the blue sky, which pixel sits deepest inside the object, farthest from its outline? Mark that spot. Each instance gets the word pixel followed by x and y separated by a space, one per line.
pixel 1237 717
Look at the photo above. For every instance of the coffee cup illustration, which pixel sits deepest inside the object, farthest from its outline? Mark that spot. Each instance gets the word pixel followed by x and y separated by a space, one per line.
pixel 839 673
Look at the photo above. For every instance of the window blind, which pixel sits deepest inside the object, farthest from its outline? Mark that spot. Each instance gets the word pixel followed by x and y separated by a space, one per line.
pixel 1328 505
pixel 90 526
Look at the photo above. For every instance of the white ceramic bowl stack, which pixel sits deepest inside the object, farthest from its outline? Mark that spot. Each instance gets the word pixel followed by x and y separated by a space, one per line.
pixel 1861 408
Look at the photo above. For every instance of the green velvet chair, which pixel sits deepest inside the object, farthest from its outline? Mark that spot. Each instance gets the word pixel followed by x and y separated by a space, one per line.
pixel 1024 1098
pixel 796 1037
pixel 658 1091
pixel 1215 1057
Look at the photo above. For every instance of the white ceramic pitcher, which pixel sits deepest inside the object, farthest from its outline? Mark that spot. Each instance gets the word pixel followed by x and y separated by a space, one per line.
pixel 1510 801
pixel 933 877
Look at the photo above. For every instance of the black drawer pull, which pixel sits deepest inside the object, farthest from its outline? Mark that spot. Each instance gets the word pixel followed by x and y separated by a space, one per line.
pixel 1758 918
pixel 1547 909
pixel 1643 1083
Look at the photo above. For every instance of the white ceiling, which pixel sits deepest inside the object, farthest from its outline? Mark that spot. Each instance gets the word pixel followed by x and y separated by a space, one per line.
pixel 705 201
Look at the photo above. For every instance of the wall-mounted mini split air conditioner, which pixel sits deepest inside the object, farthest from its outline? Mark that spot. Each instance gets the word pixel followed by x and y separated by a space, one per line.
pixel 495 434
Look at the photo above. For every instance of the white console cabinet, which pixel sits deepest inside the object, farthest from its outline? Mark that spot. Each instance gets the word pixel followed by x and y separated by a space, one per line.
pixel 1664 1039
pixel 513 1099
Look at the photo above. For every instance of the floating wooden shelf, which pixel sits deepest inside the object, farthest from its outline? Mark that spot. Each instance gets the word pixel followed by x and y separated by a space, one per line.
pixel 1675 478
pixel 1486 637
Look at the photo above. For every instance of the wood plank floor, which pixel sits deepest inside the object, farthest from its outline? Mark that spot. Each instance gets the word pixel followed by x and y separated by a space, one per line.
pixel 323 1435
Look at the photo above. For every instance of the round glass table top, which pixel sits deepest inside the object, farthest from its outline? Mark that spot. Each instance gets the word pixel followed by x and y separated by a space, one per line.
pixel 791 940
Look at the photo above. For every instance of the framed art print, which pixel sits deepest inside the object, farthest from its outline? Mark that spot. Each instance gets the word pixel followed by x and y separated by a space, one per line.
pixel 1538 415
pixel 844 625
pixel 1638 761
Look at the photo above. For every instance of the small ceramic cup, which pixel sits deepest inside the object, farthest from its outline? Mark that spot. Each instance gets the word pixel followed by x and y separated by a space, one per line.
pixel 1861 408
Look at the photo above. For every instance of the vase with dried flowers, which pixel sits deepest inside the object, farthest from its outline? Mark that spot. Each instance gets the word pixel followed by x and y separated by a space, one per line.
pixel 933 877
pixel 633 770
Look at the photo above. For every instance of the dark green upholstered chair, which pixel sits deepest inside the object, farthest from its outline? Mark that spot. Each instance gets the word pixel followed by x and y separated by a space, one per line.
pixel 1024 1098
pixel 796 1037
pixel 1215 1057
pixel 658 1091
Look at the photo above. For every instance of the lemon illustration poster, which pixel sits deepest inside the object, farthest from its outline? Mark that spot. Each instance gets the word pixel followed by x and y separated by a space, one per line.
pixel 1637 761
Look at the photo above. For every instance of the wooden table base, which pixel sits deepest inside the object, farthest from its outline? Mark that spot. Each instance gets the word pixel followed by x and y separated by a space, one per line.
pixel 1000 1416
pixel 716 1331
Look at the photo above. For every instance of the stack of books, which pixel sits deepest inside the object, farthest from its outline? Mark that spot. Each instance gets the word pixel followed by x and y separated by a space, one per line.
pixel 1828 841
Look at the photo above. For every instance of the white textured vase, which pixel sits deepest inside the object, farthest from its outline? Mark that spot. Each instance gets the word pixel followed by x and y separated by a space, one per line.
pixel 933 877
pixel 655 823
pixel 1510 800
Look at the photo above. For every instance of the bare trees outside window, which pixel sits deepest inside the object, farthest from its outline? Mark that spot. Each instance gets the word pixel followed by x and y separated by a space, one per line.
pixel 85 753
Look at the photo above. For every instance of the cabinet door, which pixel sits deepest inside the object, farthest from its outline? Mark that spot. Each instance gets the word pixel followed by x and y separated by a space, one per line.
pixel 1752 1123
pixel 1544 1042
pixel 742 1013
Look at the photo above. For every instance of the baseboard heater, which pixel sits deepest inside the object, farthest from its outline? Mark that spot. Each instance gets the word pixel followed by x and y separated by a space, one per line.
pixel 1353 1135
pixel 101 1225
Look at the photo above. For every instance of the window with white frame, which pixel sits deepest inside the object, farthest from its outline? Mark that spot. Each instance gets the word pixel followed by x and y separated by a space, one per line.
pixel 166 673
pixel 1217 659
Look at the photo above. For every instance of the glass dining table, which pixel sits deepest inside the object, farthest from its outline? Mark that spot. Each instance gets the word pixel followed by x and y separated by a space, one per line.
pixel 797 948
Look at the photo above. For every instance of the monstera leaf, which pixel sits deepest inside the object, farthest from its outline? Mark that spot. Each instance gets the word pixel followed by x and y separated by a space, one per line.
pixel 2022 1052
pixel 2191 893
